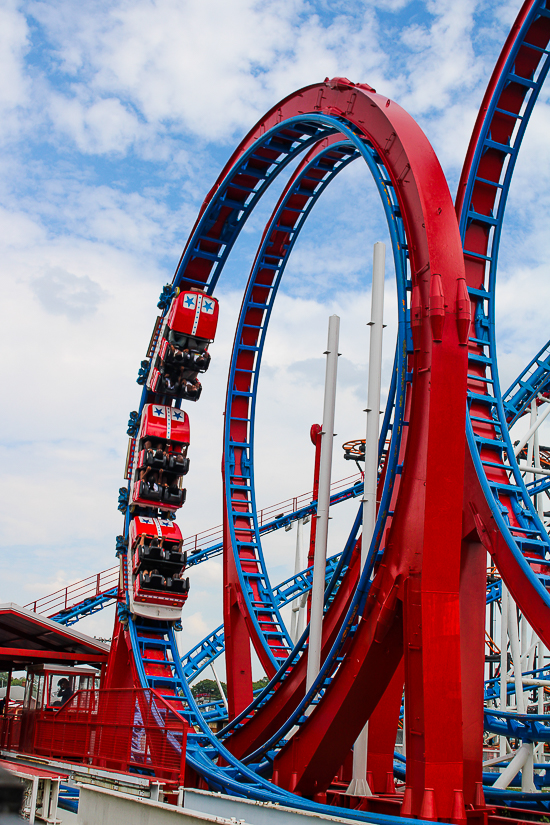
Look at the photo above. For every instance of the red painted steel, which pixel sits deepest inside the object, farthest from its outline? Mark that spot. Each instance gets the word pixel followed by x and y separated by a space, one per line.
pixel 383 725
pixel 484 197
pixel 422 571
pixel 269 718
pixel 315 434
pixel 423 623
pixel 239 627
pixel 165 423
pixel 124 730
pixel 238 660
pixel 76 593
pixel 199 321
pixel 519 93
pixel 26 654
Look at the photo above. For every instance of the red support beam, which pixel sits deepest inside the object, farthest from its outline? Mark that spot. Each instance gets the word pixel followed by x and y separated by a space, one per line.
pixel 421 570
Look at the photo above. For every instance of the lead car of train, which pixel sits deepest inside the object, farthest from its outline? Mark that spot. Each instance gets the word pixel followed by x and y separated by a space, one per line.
pixel 157 457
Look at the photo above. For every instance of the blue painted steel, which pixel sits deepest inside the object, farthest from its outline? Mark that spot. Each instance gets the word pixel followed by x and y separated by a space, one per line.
pixel 203 748
pixel 492 686
pixel 534 541
pixel 196 660
pixel 528 727
pixel 536 487
pixel 259 602
pixel 495 796
pixel 516 799
pixel 535 378
pixel 276 524
pixel 85 608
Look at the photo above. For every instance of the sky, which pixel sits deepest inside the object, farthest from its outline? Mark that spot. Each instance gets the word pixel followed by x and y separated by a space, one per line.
pixel 115 119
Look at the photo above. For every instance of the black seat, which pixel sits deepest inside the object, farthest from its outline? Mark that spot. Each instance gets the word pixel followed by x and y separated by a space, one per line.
pixel 174 557
pixel 174 496
pixel 178 464
pixel 193 394
pixel 155 458
pixel 146 491
pixel 202 362
pixel 179 357
pixel 150 553
pixel 197 344
pixel 152 581
pixel 179 339
pixel 178 585
pixel 167 389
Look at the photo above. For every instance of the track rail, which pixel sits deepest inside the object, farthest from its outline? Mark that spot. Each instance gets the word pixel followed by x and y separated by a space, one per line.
pixel 72 603
pixel 429 252
pixel 534 379
pixel 246 574
pixel 506 519
pixel 280 136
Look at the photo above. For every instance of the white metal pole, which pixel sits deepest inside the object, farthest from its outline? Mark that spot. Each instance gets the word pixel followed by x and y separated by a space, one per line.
pixel 376 325
pixel 536 471
pixel 527 774
pixel 323 503
pixel 539 499
pixel 298 566
pixel 359 785
pixel 219 684
pixel 301 617
pixel 524 642
pixel 540 697
pixel 531 431
pixel 503 658
pixel 514 649
pixel 517 763
pixel 532 420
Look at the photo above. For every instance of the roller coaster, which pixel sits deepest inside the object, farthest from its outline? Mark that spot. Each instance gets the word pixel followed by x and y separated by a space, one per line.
pixel 405 629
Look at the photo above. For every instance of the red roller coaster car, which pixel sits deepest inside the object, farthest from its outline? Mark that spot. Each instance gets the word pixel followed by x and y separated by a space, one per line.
pixel 160 460
pixel 181 351
pixel 159 588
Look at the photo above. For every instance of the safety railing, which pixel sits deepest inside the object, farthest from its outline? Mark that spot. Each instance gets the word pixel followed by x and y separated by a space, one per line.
pixel 126 730
pixel 215 534
pixel 93 586
pixel 67 597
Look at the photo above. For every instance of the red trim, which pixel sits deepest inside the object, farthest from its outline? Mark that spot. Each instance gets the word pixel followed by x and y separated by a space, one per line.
pixel 28 655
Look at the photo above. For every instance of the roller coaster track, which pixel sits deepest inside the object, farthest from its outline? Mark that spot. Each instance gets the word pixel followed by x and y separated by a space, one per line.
pixel 337 122
pixel 531 537
pixel 160 638
pixel 534 379
pixel 86 596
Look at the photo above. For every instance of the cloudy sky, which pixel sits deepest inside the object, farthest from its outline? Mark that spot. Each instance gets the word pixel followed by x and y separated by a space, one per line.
pixel 115 120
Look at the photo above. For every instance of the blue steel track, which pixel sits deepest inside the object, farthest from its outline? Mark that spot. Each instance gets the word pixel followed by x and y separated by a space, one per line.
pixel 509 500
pixel 204 750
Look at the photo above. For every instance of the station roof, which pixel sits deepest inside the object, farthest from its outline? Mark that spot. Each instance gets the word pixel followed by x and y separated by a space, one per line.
pixel 29 638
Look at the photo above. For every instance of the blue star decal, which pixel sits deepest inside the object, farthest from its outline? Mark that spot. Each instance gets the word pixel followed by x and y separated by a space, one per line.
pixel 190 301
pixel 208 306
pixel 158 410
pixel 177 415
pixel 146 520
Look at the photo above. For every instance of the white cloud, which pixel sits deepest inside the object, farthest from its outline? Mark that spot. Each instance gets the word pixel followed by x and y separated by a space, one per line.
pixel 14 84
pixel 102 126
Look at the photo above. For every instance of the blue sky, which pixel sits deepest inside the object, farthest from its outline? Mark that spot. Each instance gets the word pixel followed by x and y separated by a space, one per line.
pixel 115 119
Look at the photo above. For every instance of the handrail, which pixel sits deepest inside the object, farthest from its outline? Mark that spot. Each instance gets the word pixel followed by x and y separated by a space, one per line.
pixel 98 583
